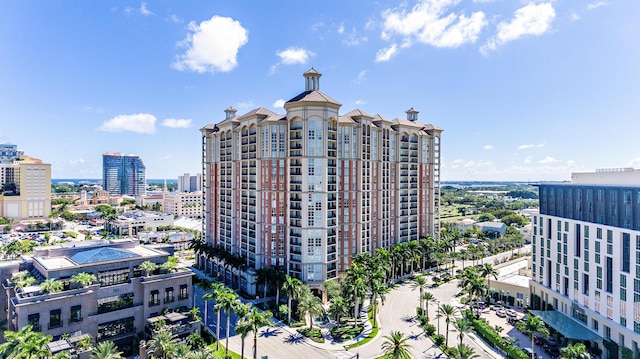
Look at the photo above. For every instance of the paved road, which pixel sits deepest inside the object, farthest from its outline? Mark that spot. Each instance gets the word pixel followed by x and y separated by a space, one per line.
pixel 397 314
pixel 211 314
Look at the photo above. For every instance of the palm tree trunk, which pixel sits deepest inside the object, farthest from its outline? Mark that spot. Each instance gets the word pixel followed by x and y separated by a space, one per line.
pixel 446 343
pixel 242 349
pixel 289 311
pixel 357 310
pixel 226 342
pixel 277 297
pixel 218 331
pixel 533 345
pixel 255 345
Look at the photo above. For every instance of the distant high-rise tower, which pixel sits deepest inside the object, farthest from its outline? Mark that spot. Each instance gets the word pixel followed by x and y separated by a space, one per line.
pixel 188 183
pixel 123 174
pixel 8 152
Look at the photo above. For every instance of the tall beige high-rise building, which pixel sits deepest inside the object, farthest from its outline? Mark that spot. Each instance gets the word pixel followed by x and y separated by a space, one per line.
pixel 27 189
pixel 307 190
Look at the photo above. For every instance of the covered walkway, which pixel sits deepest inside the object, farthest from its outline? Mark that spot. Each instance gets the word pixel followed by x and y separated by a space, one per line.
pixel 566 326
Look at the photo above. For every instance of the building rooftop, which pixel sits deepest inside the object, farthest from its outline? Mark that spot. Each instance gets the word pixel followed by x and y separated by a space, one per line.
pixel 103 254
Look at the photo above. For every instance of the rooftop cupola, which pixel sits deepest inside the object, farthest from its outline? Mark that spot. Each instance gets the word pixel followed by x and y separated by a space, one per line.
pixel 230 112
pixel 412 114
pixel 312 80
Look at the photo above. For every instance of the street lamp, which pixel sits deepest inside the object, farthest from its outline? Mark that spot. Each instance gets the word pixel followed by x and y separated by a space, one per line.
pixel 438 316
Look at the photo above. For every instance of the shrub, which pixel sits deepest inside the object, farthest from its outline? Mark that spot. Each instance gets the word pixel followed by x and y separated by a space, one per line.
pixel 438 339
pixel 423 319
pixel 429 329
pixel 419 311
pixel 314 334
pixel 489 334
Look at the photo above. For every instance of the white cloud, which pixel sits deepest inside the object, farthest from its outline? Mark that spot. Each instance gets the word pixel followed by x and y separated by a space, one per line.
pixel 165 157
pixel 79 161
pixel 524 147
pixel 596 5
pixel 340 29
pixel 575 17
pixel 547 160
pixel 92 109
pixel 142 10
pixel 279 103
pixel 212 45
pixel 291 56
pixel 431 22
pixel 360 102
pixel 245 106
pixel 532 19
pixel 352 38
pixel 140 123
pixel 317 26
pixel 294 55
pixel 635 163
pixel 177 123
pixel 361 77
pixel 528 159
pixel 175 19
pixel 385 54
pixel 487 147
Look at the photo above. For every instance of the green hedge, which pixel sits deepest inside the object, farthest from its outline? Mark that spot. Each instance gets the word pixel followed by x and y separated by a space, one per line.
pixel 490 335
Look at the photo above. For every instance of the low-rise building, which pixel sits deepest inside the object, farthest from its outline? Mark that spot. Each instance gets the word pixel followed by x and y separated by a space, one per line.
pixel 492 228
pixel 130 223
pixel 183 204
pixel 114 307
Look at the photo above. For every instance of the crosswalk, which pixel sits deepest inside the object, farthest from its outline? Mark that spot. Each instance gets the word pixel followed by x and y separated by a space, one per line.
pixel 343 355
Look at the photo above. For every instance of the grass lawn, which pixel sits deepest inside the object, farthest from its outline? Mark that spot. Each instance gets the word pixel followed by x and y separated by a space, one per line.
pixel 314 334
pixel 220 352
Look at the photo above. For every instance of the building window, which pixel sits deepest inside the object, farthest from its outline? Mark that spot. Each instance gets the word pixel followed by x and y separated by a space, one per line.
pixel 168 295
pixel 184 294
pixel 55 318
pixel 116 328
pixel 76 314
pixel 154 298
pixel 34 321
pixel 117 302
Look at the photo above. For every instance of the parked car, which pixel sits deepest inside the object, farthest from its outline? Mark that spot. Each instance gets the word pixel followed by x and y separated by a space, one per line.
pixel 501 313
pixel 528 351
pixel 512 313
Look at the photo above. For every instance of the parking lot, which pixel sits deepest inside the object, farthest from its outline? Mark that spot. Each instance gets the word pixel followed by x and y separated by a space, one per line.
pixel 496 318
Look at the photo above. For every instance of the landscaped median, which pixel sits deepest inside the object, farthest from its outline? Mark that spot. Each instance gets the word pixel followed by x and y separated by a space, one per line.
pixel 371 336
pixel 492 337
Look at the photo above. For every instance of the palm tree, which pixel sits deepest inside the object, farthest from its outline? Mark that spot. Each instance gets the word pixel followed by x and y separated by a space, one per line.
pixel 396 346
pixel 449 313
pixel 181 350
pixel 227 302
pixel 243 329
pixel 106 350
pixel 25 343
pixel 200 354
pixel 291 286
pixel 378 291
pixel 84 279
pixel 487 271
pixel 338 307
pixel 356 287
pixel 162 342
pixel 463 326
pixel 170 265
pixel 463 351
pixel 148 267
pixel 217 290
pixel 310 304
pixel 256 320
pixel 530 326
pixel 419 282
pixel 574 351
pixel 51 286
pixel 428 299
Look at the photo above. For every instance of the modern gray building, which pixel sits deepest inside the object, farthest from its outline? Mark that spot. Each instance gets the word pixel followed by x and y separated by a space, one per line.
pixel 586 259
pixel 123 174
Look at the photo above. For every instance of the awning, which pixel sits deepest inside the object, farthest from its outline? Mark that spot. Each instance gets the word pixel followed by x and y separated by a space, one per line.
pixel 571 329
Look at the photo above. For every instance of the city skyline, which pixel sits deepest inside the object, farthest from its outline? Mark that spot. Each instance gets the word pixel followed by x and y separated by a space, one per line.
pixel 525 91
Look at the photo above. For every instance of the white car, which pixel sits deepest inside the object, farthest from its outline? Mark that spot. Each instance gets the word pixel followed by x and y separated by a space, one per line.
pixel 512 313
pixel 501 313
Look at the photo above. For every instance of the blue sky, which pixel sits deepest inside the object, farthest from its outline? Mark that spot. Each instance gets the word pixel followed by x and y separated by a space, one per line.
pixel 525 90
